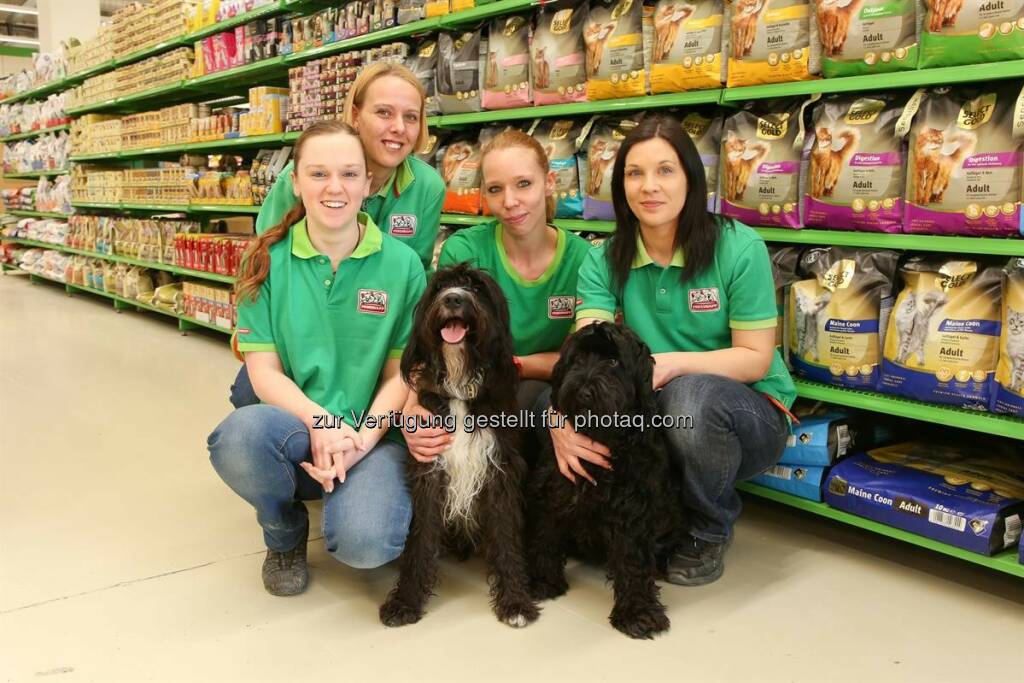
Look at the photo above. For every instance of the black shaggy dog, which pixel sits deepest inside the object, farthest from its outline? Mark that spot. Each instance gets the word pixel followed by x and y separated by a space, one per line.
pixel 459 360
pixel 606 370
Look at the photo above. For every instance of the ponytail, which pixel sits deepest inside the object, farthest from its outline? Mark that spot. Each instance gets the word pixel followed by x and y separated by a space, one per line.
pixel 256 260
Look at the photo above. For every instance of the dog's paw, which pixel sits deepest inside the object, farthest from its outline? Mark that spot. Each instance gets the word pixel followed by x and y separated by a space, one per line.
pixel 640 622
pixel 397 613
pixel 517 615
pixel 541 589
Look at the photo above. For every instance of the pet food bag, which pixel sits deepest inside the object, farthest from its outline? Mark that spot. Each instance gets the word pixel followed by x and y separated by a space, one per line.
pixel 943 338
pixel 855 176
pixel 973 32
pixel 964 171
pixel 460 170
pixel 828 435
pixel 424 65
pixel 613 34
pixel 432 150
pixel 785 261
pixel 966 497
pixel 596 162
pixel 760 164
pixel 411 10
pixel 458 71
pixel 507 66
pixel 559 70
pixel 1008 390
pixel 706 133
pixel 803 481
pixel 561 140
pixel 867 36
pixel 770 42
pixel 837 319
pixel 686 53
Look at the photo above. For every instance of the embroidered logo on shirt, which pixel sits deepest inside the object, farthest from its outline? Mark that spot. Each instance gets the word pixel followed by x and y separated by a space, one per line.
pixel 372 301
pixel 403 225
pixel 704 300
pixel 561 307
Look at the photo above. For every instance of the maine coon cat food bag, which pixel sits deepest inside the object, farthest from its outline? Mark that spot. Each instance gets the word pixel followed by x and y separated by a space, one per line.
pixel 867 36
pixel 706 132
pixel 596 162
pixel 836 323
pixel 1008 390
pixel 772 42
pixel 507 66
pixel 460 170
pixel 613 35
pixel 561 140
pixel 943 337
pixel 458 71
pixel 559 54
pixel 423 63
pixel 964 172
pixel 971 31
pixel 855 175
pixel 686 53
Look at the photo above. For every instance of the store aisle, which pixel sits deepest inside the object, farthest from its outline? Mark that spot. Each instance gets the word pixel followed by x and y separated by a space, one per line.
pixel 123 557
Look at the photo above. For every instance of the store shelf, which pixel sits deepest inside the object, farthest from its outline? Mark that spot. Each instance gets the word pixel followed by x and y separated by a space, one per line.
pixel 95 205
pixel 365 40
pixel 81 76
pixel 39 92
pixel 35 133
pixel 100 156
pixel 492 9
pixel 244 18
pixel 574 224
pixel 175 208
pixel 37 214
pixel 250 73
pixel 966 245
pixel 171 208
pixel 37 174
pixel 152 50
pixel 224 208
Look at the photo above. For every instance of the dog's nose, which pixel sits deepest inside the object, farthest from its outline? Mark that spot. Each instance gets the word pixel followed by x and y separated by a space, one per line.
pixel 452 300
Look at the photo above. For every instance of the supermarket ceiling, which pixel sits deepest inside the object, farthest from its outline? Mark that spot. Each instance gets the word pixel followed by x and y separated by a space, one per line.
pixel 19 20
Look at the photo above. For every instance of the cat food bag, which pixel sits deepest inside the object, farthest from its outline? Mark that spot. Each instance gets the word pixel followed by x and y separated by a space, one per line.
pixel 458 71
pixel 964 171
pixel 760 164
pixel 561 140
pixel 596 162
pixel 460 170
pixel 855 174
pixel 706 132
pixel 943 337
pixel 431 153
pixel 1008 390
pixel 558 53
pixel 770 42
pixel 972 32
pixel 507 65
pixel 867 36
pixel 785 263
pixel 423 63
pixel 837 319
pixel 613 34
pixel 411 10
pixel 686 52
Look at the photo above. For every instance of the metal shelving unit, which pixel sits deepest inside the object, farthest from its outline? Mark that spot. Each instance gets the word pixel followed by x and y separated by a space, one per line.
pixel 35 133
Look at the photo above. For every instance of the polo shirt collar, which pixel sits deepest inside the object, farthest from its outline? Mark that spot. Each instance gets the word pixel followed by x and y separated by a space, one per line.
pixel 642 258
pixel 371 242
pixel 400 180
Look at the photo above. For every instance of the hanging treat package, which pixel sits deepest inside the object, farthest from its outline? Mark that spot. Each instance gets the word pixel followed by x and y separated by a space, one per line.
pixel 686 51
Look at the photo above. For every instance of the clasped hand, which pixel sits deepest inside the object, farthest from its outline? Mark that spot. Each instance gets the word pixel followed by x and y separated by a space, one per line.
pixel 334 451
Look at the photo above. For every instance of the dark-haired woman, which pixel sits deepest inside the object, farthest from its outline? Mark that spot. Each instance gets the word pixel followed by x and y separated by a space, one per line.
pixel 698 290
pixel 325 308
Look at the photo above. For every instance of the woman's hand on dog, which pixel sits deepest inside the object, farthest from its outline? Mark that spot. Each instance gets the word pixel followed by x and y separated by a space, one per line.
pixel 331 448
pixel 572 447
pixel 425 443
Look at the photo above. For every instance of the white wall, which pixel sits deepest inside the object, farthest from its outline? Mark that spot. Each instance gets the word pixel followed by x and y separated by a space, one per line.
pixel 63 19
pixel 11 65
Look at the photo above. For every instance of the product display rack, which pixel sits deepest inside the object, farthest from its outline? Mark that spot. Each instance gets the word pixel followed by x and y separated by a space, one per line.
pixel 37 214
pixel 35 133
pixel 37 174
pixel 169 208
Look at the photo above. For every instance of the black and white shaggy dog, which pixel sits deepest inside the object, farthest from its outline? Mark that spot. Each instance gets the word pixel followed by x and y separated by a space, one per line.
pixel 606 370
pixel 459 360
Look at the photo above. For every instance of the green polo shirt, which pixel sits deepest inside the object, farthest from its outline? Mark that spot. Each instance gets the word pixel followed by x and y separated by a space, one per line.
pixel 735 291
pixel 408 207
pixel 334 331
pixel 541 310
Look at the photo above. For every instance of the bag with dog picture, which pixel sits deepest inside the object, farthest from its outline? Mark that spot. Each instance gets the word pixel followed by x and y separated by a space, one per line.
pixel 598 159
pixel 686 53
pixel 559 54
pixel 613 35
pixel 507 65
pixel 978 32
pixel 1008 390
pixel 867 36
pixel 458 71
pixel 561 139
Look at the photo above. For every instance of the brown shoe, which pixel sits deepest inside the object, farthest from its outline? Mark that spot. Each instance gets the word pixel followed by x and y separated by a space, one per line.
pixel 286 573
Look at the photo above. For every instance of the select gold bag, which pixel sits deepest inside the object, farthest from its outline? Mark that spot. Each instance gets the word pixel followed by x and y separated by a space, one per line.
pixel 1008 391
pixel 772 42
pixel 615 50
pixel 686 51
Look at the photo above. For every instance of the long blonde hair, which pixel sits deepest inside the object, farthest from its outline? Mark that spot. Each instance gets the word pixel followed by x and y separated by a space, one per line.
pixel 367 76
pixel 517 139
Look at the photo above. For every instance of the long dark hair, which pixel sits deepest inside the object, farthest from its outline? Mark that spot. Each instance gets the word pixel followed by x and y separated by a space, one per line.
pixel 698 229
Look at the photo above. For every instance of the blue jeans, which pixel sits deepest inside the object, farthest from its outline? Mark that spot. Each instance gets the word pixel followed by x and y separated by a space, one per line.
pixel 736 434
pixel 242 393
pixel 257 449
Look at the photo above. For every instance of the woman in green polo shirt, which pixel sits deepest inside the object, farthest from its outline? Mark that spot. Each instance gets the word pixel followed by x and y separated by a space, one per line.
pixel 697 288
pixel 325 308
pixel 534 263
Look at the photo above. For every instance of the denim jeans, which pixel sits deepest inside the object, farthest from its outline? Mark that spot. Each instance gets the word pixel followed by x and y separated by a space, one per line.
pixel 257 449
pixel 736 434
pixel 242 393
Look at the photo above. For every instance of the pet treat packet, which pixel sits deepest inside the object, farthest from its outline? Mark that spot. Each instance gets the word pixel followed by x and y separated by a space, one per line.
pixel 943 337
pixel 867 36
pixel 971 32
pixel 770 42
pixel 706 133
pixel 855 173
pixel 460 170
pixel 964 171
pixel 458 71
pixel 559 53
pixel 597 160
pixel 423 63
pixel 613 34
pixel 1008 390
pixel 561 140
pixel 507 65
pixel 785 264
pixel 837 319
pixel 686 52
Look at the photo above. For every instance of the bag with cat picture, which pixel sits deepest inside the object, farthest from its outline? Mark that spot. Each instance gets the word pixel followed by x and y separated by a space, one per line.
pixel 432 151
pixel 774 43
pixel 836 320
pixel 561 140
pixel 558 53
pixel 507 64
pixel 943 338
pixel 705 129
pixel 460 170
pixel 964 170
pixel 855 172
pixel 785 264
pixel 596 161
pixel 1008 389
pixel 423 64
pixel 861 37
pixel 458 71
pixel 613 35
pixel 686 51
pixel 978 32
pixel 411 10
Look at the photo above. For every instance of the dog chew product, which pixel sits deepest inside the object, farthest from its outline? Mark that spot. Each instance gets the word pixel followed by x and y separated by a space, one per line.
pixel 837 319
pixel 424 65
pixel 460 170
pixel 706 133
pixel 770 42
pixel 1008 390
pixel 966 497
pixel 867 36
pixel 613 34
pixel 507 66
pixel 606 136
pixel 785 262
pixel 686 53
pixel 943 337
pixel 561 140
pixel 964 171
pixel 458 71
pixel 855 177
pixel 559 69
pixel 973 32
pixel 760 164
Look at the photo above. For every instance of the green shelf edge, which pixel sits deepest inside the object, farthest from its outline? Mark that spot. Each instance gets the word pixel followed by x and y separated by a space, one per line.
pixel 491 9
pixel 35 133
pixel 1005 561
pixel 244 18
pixel 225 208
pixel 94 205
pixel 82 76
pixel 39 91
pixel 94 157
pixel 37 214
pixel 37 174
pixel 152 50
pixel 256 69
pixel 295 58
pixel 172 208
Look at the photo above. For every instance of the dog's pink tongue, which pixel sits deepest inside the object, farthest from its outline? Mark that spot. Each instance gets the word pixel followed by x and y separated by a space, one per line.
pixel 453 332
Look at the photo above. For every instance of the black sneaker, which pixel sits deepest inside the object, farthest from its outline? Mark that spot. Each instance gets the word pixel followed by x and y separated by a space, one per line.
pixel 286 573
pixel 696 562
